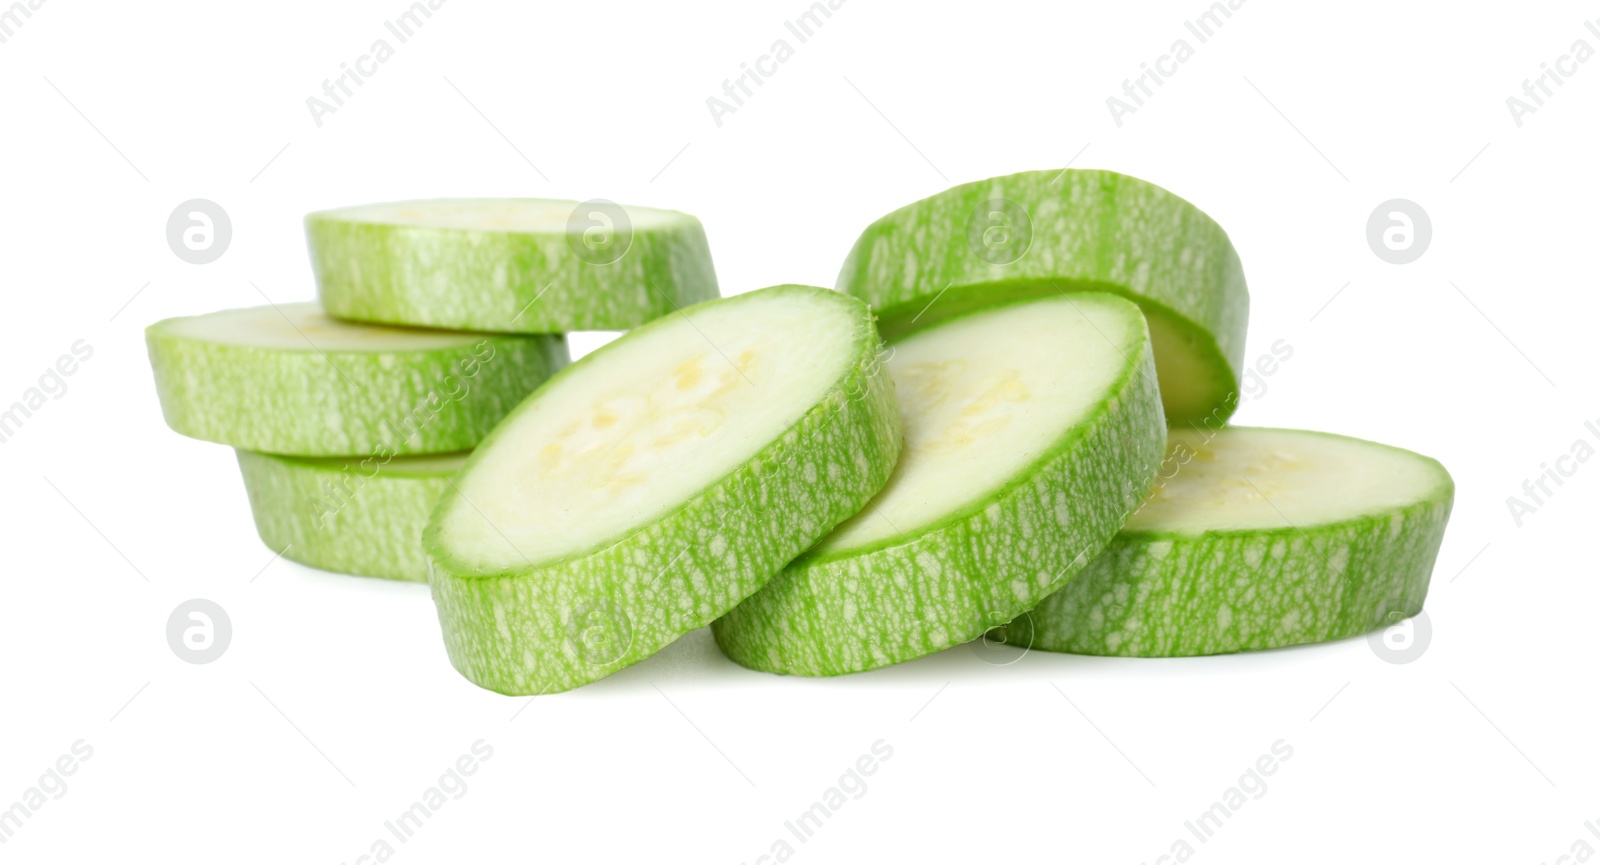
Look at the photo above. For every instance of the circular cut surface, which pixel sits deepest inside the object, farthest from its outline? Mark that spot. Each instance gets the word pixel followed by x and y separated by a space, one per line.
pixel 620 442
pixel 984 396
pixel 305 327
pixel 1242 479
pixel 521 215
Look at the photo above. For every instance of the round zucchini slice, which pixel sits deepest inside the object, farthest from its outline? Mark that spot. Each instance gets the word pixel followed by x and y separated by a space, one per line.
pixel 1047 232
pixel 1031 431
pixel 1255 539
pixel 357 515
pixel 288 379
pixel 657 482
pixel 509 265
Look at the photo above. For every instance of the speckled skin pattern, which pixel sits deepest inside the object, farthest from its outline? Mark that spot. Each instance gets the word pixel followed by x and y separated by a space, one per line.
pixel 487 280
pixel 355 516
pixel 855 610
pixel 346 403
pixel 1155 594
pixel 1091 230
pixel 555 627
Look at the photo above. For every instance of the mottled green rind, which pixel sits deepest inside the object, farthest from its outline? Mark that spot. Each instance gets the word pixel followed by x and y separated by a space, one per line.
pixel 344 403
pixel 488 280
pixel 1160 595
pixel 850 611
pixel 526 632
pixel 1091 231
pixel 360 516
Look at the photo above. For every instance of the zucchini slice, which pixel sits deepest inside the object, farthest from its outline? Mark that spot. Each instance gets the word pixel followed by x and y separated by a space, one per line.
pixel 509 265
pixel 1045 232
pixel 357 515
pixel 288 379
pixel 655 483
pixel 1031 431
pixel 1254 539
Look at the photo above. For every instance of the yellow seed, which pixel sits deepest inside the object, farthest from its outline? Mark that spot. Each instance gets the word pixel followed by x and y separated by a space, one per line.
pixel 990 427
pixel 549 455
pixel 688 373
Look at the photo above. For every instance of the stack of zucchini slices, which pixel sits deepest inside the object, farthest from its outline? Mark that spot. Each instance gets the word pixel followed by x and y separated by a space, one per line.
pixel 436 319
pixel 1039 454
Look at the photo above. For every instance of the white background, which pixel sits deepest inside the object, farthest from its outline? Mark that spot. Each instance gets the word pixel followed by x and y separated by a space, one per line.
pixel 335 707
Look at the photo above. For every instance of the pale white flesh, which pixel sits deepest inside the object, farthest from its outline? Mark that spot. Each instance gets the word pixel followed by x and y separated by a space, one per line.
pixel 1241 478
pixel 522 215
pixel 985 396
pixel 305 327
pixel 623 439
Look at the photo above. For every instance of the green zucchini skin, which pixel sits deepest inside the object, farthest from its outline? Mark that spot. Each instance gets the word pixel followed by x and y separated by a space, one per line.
pixel 1158 594
pixel 858 610
pixel 1088 230
pixel 346 403
pixel 556 626
pixel 361 516
pixel 503 281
